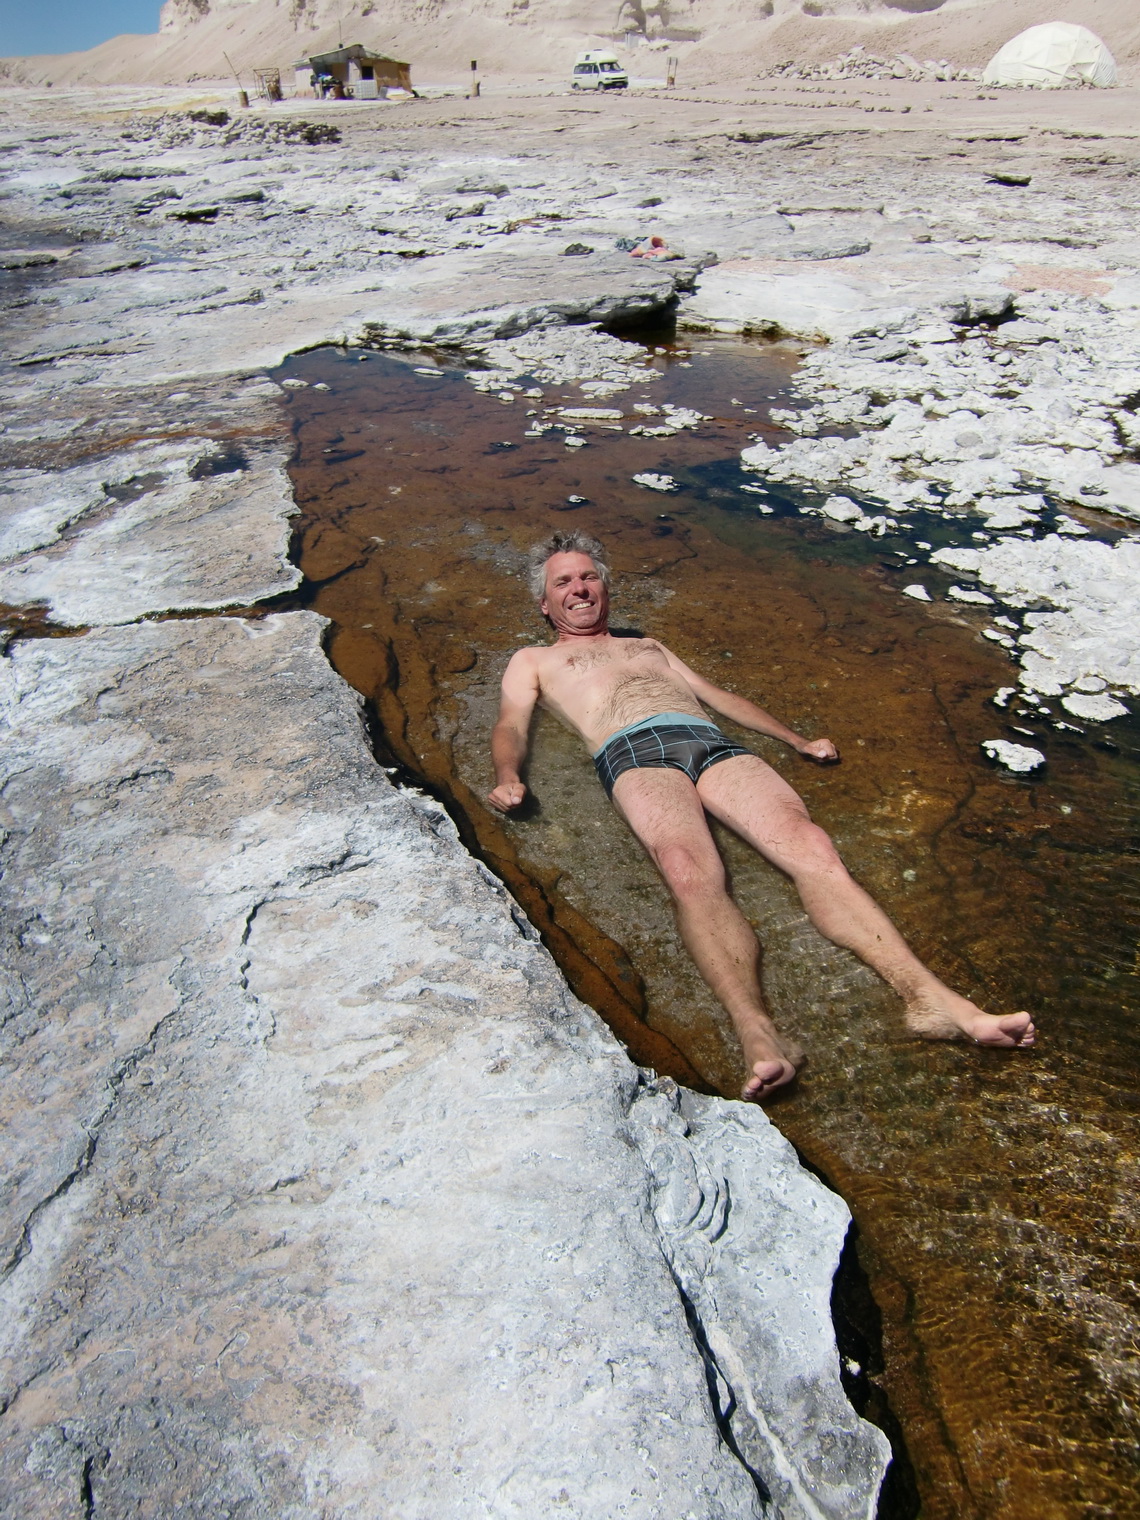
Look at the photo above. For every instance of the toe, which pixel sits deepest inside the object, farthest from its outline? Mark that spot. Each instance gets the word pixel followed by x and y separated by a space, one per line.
pixel 1019 1027
pixel 766 1075
pixel 1014 1030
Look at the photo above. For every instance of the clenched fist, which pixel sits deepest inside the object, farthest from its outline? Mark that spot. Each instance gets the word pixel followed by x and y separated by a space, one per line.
pixel 507 796
pixel 820 749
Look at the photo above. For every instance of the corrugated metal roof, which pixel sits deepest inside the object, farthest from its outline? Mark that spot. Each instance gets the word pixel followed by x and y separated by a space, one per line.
pixel 356 52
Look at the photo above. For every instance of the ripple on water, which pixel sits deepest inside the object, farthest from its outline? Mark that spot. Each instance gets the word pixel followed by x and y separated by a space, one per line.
pixel 995 1194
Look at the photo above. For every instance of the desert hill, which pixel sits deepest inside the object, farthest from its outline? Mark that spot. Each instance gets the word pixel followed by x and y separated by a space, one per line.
pixel 730 40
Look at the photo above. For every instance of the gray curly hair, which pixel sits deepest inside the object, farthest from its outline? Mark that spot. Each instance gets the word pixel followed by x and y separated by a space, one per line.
pixel 572 542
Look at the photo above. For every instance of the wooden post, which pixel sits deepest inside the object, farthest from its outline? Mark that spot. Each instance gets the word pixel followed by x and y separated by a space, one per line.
pixel 473 93
pixel 243 98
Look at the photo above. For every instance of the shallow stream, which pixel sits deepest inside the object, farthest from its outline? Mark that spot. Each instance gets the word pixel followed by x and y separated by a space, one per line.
pixel 994 1194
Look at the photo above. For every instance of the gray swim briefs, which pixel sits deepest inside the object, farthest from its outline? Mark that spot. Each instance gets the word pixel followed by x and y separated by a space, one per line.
pixel 671 740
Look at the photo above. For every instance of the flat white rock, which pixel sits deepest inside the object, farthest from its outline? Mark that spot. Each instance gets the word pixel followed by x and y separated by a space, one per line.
pixel 1021 758
pixel 964 594
pixel 1094 709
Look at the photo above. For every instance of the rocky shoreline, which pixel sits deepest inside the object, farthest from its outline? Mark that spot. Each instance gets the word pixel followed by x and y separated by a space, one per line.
pixel 273 1242
pixel 326 1196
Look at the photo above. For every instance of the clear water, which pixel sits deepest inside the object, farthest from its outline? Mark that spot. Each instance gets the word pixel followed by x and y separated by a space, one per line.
pixel 994 1194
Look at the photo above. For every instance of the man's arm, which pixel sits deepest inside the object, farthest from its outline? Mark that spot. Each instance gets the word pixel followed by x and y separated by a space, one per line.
pixel 510 736
pixel 748 715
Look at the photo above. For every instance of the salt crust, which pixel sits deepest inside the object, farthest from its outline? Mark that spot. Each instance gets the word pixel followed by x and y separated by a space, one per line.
pixel 1021 758
pixel 964 594
pixel 976 415
pixel 599 364
pixel 1093 709
pixel 957 419
pixel 1092 627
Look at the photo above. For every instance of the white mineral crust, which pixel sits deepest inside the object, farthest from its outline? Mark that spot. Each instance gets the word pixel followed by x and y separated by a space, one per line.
pixel 1094 629
pixel 841 509
pixel 594 361
pixel 1093 709
pixel 1021 758
pixel 952 415
pixel 966 594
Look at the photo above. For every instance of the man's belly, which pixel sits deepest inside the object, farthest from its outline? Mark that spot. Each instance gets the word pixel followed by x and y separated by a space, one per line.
pixel 632 698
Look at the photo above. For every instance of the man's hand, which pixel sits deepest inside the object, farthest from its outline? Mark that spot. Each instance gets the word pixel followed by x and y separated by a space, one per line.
pixel 507 796
pixel 509 735
pixel 819 749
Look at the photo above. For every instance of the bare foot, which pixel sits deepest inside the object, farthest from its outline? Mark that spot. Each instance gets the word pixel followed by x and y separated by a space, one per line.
pixel 772 1062
pixel 943 1015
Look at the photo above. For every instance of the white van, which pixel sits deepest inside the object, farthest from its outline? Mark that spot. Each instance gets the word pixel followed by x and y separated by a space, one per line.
pixel 598 71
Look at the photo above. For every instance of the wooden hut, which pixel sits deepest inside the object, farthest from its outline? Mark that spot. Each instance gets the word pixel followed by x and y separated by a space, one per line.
pixel 354 71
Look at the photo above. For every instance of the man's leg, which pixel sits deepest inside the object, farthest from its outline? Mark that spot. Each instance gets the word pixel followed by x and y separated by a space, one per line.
pixel 762 808
pixel 662 808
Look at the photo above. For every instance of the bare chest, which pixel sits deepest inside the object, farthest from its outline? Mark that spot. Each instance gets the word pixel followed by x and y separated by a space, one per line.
pixel 603 664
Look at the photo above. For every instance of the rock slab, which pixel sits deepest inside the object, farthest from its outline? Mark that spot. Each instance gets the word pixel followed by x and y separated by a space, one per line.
pixel 156 528
pixel 324 1197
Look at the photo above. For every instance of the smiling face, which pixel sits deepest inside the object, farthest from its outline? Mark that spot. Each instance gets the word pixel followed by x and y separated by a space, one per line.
pixel 576 601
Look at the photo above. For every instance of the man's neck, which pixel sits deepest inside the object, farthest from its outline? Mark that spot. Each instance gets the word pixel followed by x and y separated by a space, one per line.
pixel 576 636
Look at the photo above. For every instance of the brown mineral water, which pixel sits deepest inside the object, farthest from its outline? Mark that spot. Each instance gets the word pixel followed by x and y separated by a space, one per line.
pixel 993 1192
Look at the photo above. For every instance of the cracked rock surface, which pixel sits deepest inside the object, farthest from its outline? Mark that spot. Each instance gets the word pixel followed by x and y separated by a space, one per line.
pixel 320 1200
pixel 324 1197
pixel 159 528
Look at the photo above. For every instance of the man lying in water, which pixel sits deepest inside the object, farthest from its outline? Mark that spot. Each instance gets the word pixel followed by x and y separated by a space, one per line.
pixel 665 765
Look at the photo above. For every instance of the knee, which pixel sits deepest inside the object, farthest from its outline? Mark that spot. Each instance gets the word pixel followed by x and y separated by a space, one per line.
pixel 689 875
pixel 813 852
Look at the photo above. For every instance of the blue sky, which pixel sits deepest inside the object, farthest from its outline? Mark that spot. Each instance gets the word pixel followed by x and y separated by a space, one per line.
pixel 65 26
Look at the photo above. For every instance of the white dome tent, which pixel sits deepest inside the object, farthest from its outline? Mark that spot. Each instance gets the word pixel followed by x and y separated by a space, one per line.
pixel 1051 56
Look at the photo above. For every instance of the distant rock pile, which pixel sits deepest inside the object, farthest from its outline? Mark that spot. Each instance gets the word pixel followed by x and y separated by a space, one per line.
pixel 859 64
pixel 197 129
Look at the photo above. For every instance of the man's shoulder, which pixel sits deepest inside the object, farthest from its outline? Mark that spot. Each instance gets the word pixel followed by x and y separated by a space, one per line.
pixel 529 654
pixel 525 663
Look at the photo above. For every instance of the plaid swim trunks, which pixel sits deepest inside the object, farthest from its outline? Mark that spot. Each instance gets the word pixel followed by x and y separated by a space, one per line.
pixel 671 740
